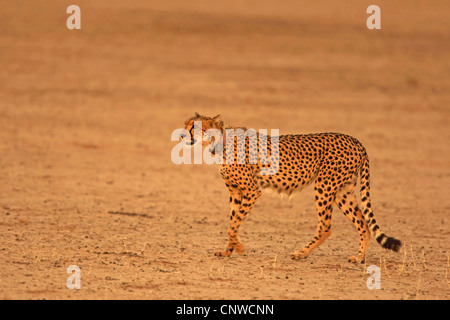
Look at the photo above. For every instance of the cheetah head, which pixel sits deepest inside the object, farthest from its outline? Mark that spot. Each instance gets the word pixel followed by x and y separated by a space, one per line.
pixel 198 126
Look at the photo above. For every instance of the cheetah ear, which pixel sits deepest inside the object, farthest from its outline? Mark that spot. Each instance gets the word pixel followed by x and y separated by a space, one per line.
pixel 197 114
pixel 217 121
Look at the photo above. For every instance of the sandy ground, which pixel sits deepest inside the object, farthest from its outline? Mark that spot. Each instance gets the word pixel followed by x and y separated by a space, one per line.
pixel 86 117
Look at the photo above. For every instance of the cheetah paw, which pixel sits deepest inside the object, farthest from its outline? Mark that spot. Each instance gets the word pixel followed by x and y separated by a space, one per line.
pixel 302 254
pixel 239 249
pixel 357 259
pixel 225 253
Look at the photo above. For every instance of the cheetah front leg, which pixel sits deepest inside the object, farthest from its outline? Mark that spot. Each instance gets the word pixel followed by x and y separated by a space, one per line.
pixel 234 241
pixel 241 202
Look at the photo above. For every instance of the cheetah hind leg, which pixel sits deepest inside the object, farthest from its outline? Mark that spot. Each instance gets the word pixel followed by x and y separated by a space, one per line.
pixel 324 210
pixel 346 201
pixel 323 232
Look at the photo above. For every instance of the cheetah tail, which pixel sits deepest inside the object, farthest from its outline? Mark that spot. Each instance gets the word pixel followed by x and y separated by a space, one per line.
pixel 382 239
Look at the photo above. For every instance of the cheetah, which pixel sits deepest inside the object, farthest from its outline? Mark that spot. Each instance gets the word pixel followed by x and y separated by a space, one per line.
pixel 332 161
